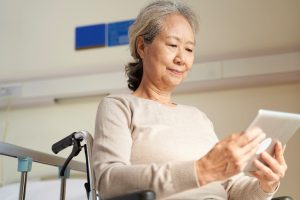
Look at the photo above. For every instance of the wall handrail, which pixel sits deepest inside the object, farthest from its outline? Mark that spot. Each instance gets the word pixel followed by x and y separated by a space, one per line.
pixel 15 151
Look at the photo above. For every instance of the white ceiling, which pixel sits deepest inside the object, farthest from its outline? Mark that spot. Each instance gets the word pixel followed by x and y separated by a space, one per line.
pixel 37 36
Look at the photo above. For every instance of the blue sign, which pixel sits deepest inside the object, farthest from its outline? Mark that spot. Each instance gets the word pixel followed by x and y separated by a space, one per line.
pixel 118 33
pixel 90 36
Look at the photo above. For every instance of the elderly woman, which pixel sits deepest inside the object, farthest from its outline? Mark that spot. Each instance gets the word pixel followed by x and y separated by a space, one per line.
pixel 144 140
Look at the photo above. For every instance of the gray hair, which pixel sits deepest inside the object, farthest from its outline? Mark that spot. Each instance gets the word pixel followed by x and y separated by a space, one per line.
pixel 148 24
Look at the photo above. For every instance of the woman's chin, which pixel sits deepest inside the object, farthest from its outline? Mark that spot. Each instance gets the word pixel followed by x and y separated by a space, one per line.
pixel 173 83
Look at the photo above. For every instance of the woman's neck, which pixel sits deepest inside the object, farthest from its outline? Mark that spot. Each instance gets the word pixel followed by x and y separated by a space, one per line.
pixel 163 97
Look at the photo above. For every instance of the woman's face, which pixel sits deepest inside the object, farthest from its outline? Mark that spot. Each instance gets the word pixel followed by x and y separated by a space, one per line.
pixel 167 60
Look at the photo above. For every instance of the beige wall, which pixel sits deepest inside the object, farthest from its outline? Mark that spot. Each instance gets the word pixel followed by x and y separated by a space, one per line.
pixel 230 110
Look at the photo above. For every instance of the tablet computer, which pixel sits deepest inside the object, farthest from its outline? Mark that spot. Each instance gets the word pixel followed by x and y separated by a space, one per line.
pixel 277 126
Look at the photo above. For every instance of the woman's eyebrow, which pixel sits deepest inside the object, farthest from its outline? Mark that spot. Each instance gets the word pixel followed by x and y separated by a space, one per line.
pixel 178 39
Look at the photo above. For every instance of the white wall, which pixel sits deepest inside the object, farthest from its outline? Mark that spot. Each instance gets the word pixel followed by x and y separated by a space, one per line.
pixel 37 37
pixel 230 110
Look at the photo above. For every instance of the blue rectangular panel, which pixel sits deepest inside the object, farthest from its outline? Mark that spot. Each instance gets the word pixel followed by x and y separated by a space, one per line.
pixel 90 36
pixel 118 32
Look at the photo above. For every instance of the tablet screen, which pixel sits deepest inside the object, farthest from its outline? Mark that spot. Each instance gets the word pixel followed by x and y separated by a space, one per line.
pixel 277 126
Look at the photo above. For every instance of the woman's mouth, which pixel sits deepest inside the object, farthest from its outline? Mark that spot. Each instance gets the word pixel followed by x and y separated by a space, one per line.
pixel 175 72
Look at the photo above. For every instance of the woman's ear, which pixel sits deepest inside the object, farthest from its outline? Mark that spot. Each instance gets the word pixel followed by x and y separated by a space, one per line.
pixel 140 46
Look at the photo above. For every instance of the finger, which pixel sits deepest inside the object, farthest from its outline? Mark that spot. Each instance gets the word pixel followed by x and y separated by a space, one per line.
pixel 272 163
pixel 249 135
pixel 251 148
pixel 279 153
pixel 240 155
pixel 257 174
pixel 267 173
pixel 248 151
pixel 280 159
pixel 248 154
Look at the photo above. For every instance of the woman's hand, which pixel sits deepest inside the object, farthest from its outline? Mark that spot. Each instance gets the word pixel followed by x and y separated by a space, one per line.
pixel 269 176
pixel 229 156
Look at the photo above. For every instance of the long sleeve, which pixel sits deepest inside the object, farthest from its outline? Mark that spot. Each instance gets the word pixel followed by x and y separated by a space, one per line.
pixel 112 151
pixel 245 187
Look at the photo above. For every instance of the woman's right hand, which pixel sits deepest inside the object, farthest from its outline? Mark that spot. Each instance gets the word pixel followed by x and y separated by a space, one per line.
pixel 229 156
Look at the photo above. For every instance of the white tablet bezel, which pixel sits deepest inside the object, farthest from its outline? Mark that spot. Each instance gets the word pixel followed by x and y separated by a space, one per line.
pixel 278 126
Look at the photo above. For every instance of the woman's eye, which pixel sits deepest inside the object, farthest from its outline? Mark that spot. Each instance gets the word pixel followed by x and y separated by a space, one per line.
pixel 189 50
pixel 173 45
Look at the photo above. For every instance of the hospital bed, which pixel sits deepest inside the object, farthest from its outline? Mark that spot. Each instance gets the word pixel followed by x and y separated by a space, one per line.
pixel 78 140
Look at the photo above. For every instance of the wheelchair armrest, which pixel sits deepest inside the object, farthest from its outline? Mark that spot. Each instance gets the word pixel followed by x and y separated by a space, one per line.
pixel 150 195
pixel 283 198
pixel 141 195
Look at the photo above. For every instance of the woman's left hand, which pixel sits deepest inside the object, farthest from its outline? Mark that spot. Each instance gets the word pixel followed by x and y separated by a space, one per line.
pixel 269 176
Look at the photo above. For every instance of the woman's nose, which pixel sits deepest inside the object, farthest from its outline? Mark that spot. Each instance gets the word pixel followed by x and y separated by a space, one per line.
pixel 179 59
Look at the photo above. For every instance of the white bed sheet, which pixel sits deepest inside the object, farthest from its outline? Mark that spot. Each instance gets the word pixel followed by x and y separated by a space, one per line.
pixel 45 190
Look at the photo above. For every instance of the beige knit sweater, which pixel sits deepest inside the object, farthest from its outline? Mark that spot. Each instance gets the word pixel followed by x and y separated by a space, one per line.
pixel 141 144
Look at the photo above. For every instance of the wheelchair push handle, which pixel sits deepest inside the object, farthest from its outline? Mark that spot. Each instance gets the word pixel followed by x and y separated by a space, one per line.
pixel 63 143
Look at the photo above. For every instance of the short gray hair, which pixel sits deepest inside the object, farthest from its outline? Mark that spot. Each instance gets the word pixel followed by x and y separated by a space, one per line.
pixel 148 24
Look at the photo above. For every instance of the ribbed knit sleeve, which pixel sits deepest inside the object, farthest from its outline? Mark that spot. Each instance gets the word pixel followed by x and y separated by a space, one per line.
pixel 245 187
